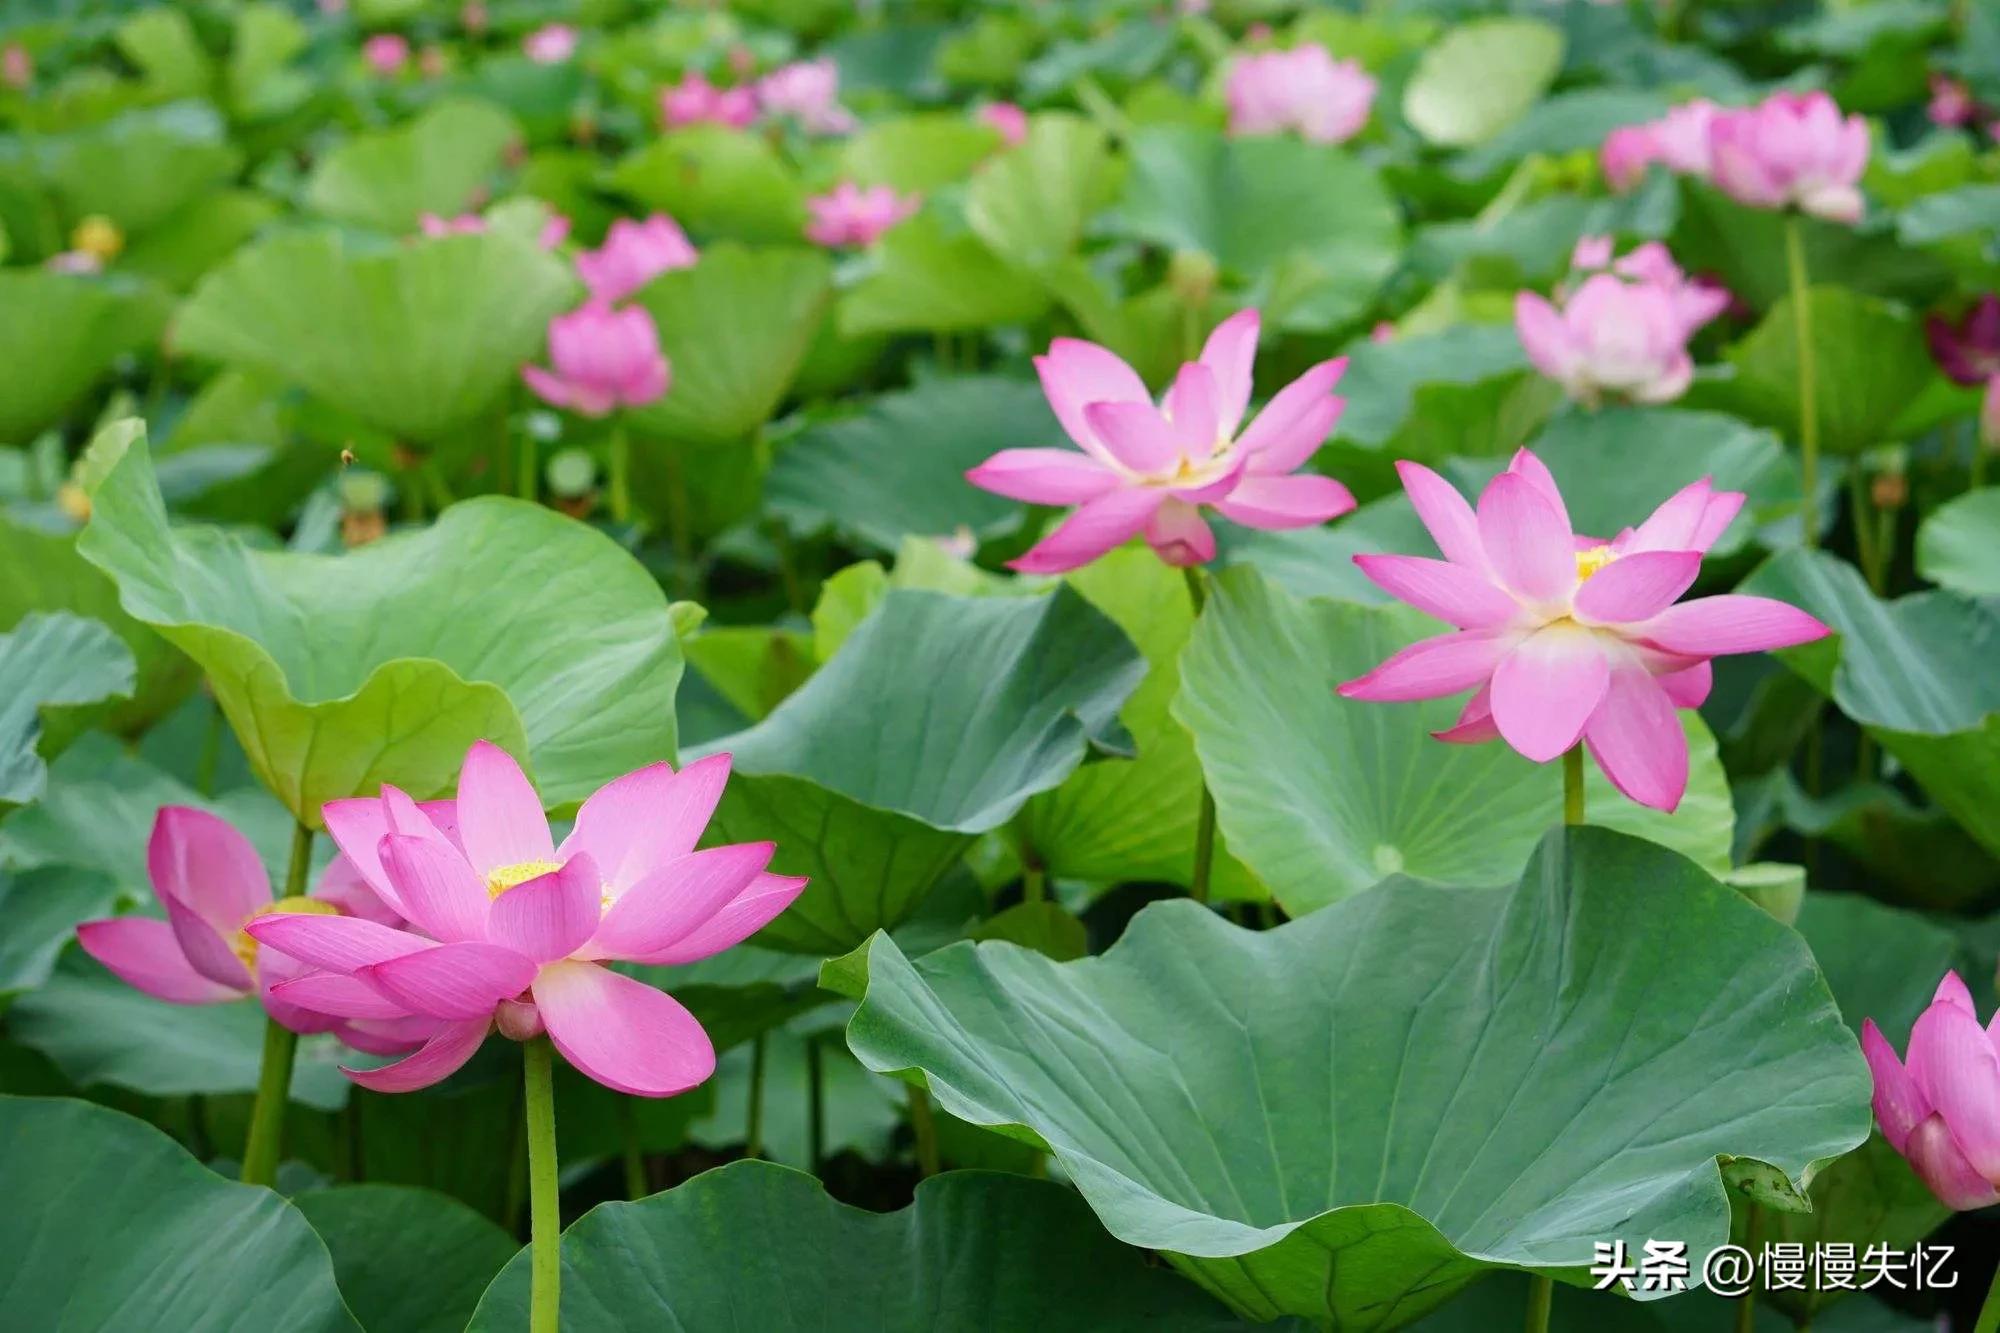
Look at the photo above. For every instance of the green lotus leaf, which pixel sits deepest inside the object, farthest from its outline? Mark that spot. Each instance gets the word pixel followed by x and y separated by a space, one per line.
pixel 502 620
pixel 1480 78
pixel 717 182
pixel 113 1226
pixel 951 1260
pixel 1746 248
pixel 162 45
pixel 1958 546
pixel 1971 209
pixel 1915 673
pixel 917 152
pixel 1308 229
pixel 1031 204
pixel 141 167
pixel 1574 119
pixel 195 239
pixel 51 661
pixel 1385 382
pixel 418 340
pixel 1322 796
pixel 408 1259
pixel 859 1113
pixel 59 335
pixel 434 163
pixel 898 469
pixel 927 278
pixel 42 908
pixel 1352 1116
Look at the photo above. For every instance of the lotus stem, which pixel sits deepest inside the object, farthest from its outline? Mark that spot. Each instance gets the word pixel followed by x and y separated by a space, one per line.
pixel 544 1190
pixel 265 1143
pixel 1541 1294
pixel 1795 258
pixel 527 469
pixel 924 1125
pixel 1204 826
pixel 635 1159
pixel 1753 1239
pixel 1034 883
pixel 1573 785
pixel 621 472
pixel 753 1127
pixel 1989 1313
pixel 815 1106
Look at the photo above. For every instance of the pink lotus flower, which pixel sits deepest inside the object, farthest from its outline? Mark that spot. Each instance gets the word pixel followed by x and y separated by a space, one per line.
pixel 1150 469
pixel 696 101
pixel 1951 101
pixel 850 215
pixel 550 44
pixel 1792 150
pixel 1967 348
pixel 17 67
pixel 1941 1110
pixel 1303 89
pixel 386 53
pixel 807 91
pixel 1610 338
pixel 516 930
pixel 213 885
pixel 1569 637
pixel 633 254
pixel 603 358
pixel 1652 263
pixel 1008 119
pixel 1678 140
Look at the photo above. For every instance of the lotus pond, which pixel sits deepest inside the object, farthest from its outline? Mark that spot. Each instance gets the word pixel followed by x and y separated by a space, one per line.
pixel 1009 666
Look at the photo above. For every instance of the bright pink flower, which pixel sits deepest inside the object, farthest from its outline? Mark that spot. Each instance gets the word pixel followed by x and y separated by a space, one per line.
pixel 807 91
pixel 1679 140
pixel 1951 101
pixel 1792 150
pixel 1653 264
pixel 603 359
pixel 850 215
pixel 515 930
pixel 1007 118
pixel 386 53
pixel 1941 1110
pixel 1149 468
pixel 633 254
pixel 1610 338
pixel 550 44
pixel 696 101
pixel 17 67
pixel 1565 637
pixel 212 884
pixel 1303 89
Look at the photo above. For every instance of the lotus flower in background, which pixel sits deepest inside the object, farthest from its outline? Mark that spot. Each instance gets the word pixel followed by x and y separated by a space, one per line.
pixel 212 884
pixel 849 215
pixel 1610 338
pixel 1010 120
pixel 1792 150
pixel 1678 141
pixel 633 254
pixel 551 44
pixel 1303 89
pixel 696 101
pixel 1151 468
pixel 1941 1108
pixel 17 67
pixel 602 359
pixel 386 53
pixel 515 930
pixel 1951 102
pixel 1967 348
pixel 806 91
pixel 1569 638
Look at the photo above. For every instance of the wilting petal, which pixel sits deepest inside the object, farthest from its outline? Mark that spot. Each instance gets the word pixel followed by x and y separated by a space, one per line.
pixel 336 943
pixel 675 899
pixel 1044 476
pixel 1452 593
pixel 144 954
pixel 645 819
pixel 1431 667
pixel 1547 688
pixel 1958 1072
pixel 1475 724
pixel 749 912
pixel 1075 374
pixel 1950 1175
pixel 1445 514
pixel 623 1033
pixel 340 996
pixel 1231 356
pixel 439 891
pixel 550 916
pixel 438 1059
pixel 500 818
pixel 1095 527
pixel 1527 542
pixel 1730 623
pixel 1137 435
pixel 1899 1104
pixel 203 863
pixel 1179 534
pixel 1295 423
pixel 1276 503
pixel 1635 587
pixel 1637 740
pixel 456 981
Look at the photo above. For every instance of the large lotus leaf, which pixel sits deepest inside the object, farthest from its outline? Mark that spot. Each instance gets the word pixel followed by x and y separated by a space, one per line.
pixel 1916 673
pixel 1309 229
pixel 859 1113
pixel 1480 78
pixel 194 240
pixel 917 152
pixel 416 339
pixel 718 182
pixel 1322 796
pixel 111 1225
pixel 1383 380
pixel 42 908
pixel 926 277
pixel 407 1259
pixel 754 1245
pixel 1350 1117
pixel 59 334
pixel 51 661
pixel 1958 546
pixel 1746 248
pixel 731 373
pixel 1031 203
pixel 142 167
pixel 898 469
pixel 162 45
pixel 502 620
pixel 434 163
pixel 1568 121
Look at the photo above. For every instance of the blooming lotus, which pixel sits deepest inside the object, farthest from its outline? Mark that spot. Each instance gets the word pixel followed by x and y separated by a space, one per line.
pixel 633 254
pixel 515 931
pixel 1792 150
pixel 808 91
pixel 1679 140
pixel 1698 302
pixel 603 359
pixel 213 886
pixel 1567 638
pixel 1951 102
pixel 1303 89
pixel 1010 120
pixel 1609 338
pixel 1151 468
pixel 849 215
pixel 386 53
pixel 550 44
pixel 1967 348
pixel 696 101
pixel 1941 1109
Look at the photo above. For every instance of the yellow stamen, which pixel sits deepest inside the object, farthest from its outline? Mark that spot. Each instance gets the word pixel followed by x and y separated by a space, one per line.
pixel 506 877
pixel 244 946
pixel 1592 559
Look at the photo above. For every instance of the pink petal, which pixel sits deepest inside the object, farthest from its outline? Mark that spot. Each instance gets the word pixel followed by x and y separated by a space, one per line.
pixel 1544 336
pixel 1231 355
pixel 1899 1104
pixel 337 943
pixel 1546 689
pixel 1276 503
pixel 675 899
pixel 1958 1072
pixel 623 1033
pixel 460 981
pixel 1137 435
pixel 1295 423
pixel 439 891
pixel 393 1036
pixel 1179 535
pixel 1525 464
pixel 1638 742
pixel 1951 989
pixel 1730 623
pixel 645 819
pixel 340 996
pixel 749 912
pixel 1044 476
pixel 1096 526
pixel 1528 543
pixel 357 827
pixel 1672 526
pixel 206 951
pixel 1475 724
pixel 550 387
pixel 1431 667
pixel 1635 587
pixel 1688 687
pixel 144 954
pixel 438 1059
pixel 550 916
pixel 1193 408
pixel 1075 374
pixel 203 863
pixel 1938 1160
pixel 1439 588
pixel 1445 515
pixel 500 817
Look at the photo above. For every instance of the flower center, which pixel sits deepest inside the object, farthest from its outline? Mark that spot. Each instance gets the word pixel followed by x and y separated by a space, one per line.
pixel 506 877
pixel 1592 559
pixel 245 947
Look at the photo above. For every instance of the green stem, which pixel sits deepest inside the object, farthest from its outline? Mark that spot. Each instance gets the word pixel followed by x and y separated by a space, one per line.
pixel 265 1143
pixel 1795 258
pixel 815 1106
pixel 1753 1241
pixel 1034 883
pixel 527 468
pixel 1989 1313
pixel 544 1191
pixel 1097 104
pixel 753 1130
pixel 211 752
pixel 1864 527
pixel 924 1125
pixel 1573 785
pixel 635 1158
pixel 1541 1295
pixel 1204 826
pixel 621 472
